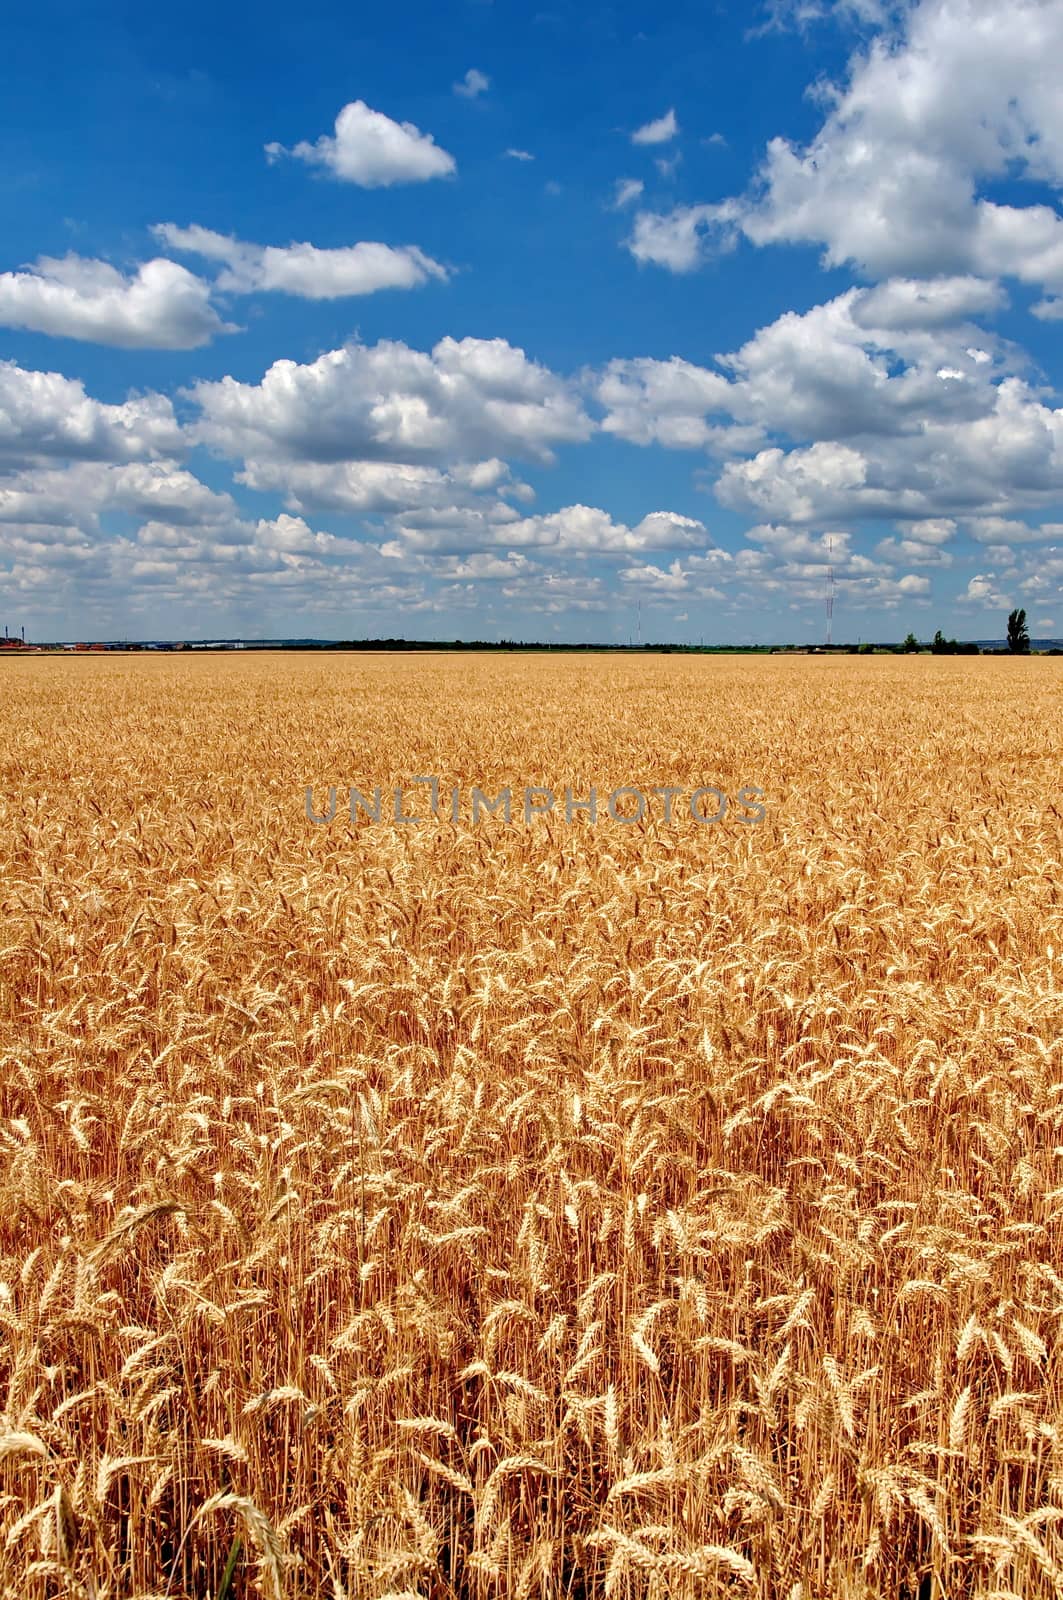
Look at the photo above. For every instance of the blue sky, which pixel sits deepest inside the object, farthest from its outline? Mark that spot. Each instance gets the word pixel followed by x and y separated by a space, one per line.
pixel 477 320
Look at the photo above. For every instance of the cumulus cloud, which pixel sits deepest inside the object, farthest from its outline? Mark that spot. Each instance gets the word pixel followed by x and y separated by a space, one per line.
pixel 480 564
pixel 663 402
pixel 831 372
pixel 1012 456
pixel 576 529
pixel 468 399
pixel 657 132
pixel 908 303
pixel 883 404
pixel 44 416
pixel 209 564
pixel 913 553
pixel 77 493
pixel 797 544
pixel 374 487
pixel 162 306
pixel 998 530
pixel 474 83
pixel 303 269
pixel 929 531
pixel 951 96
pixel 519 155
pixel 554 593
pixel 371 150
pixel 658 579
pixel 678 239
pixel 982 590
pixel 826 478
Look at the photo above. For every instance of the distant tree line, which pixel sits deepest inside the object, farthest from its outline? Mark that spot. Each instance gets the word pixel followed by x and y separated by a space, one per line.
pixel 1018 637
pixel 1018 642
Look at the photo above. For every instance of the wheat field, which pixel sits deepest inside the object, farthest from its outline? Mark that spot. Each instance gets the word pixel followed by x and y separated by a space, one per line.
pixel 531 1211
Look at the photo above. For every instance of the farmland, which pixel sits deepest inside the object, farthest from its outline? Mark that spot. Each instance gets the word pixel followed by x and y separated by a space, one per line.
pixel 561 1208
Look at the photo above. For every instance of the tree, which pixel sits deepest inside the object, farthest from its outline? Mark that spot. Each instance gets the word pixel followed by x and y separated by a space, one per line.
pixel 911 644
pixel 1018 634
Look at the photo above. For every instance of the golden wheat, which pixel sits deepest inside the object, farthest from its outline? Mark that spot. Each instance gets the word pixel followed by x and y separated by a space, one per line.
pixel 577 1210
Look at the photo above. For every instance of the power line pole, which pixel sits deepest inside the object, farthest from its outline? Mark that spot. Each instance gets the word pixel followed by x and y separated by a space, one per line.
pixel 830 588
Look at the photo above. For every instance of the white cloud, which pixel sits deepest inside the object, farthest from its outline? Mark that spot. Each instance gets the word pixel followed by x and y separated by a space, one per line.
pixel 1010 457
pixel 657 579
pixel 576 529
pixel 76 494
pixel 658 132
pixel 803 486
pixel 371 150
pixel 373 487
pixel 664 402
pixel 687 575
pixel 907 303
pixel 473 84
pixel 554 593
pixel 798 545
pixel 467 400
pixel 162 306
pixel 481 564
pixel 913 552
pixel 45 416
pixel 887 183
pixel 627 190
pixel 520 155
pixel 951 95
pixel 913 421
pixel 303 269
pixel 982 591
pixel 786 15
pixel 829 373
pixel 930 531
pixel 997 530
pixel 677 239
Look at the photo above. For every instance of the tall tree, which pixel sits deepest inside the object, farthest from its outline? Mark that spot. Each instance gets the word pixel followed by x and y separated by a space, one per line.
pixel 1018 634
